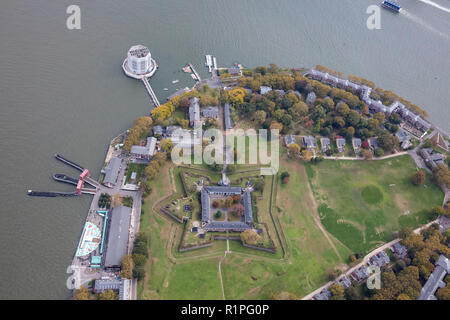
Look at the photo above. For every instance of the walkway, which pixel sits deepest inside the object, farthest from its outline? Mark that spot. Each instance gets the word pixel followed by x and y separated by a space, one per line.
pixel 398 154
pixel 150 92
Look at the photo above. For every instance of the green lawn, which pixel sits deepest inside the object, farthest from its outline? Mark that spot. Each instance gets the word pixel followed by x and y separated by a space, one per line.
pixel 135 167
pixel 361 203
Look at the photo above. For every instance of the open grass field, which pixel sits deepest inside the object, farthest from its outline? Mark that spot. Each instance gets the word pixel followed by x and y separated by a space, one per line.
pixel 361 203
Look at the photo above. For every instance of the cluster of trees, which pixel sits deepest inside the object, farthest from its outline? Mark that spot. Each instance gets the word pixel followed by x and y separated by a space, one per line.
pixel 83 294
pixel 336 111
pixel 140 255
pixel 441 175
pixel 127 201
pixel 403 279
pixel 126 266
pixel 104 201
pixel 250 237
pixel 140 129
pixel 152 169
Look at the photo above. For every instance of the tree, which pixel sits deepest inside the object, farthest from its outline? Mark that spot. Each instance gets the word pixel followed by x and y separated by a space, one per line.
pixel 250 236
pixel 337 290
pixel 307 155
pixel 405 232
pixel 167 145
pixel 238 209
pixel 298 110
pixel 419 178
pixel 343 109
pixel 109 295
pixel 441 175
pixel 353 118
pixel 81 294
pixel 126 266
pixel 285 177
pixel 294 150
pixel 403 296
pixel 443 293
pixel 260 116
pixel 387 141
pixel 228 202
pixel 275 125
pixel 380 117
pixel 379 152
pixel 367 154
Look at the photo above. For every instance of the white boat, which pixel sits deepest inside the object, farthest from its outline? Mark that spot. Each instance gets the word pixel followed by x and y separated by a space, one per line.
pixel 175 81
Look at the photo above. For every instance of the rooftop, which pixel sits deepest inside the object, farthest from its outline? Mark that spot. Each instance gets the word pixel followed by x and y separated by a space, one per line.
pixel 117 235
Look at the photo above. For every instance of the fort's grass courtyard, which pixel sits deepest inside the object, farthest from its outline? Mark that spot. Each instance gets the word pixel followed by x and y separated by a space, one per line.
pixel 361 203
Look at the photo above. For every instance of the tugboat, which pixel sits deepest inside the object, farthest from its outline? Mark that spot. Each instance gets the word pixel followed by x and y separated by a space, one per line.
pixel 393 6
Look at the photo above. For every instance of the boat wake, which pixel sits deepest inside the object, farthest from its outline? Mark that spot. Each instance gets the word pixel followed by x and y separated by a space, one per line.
pixel 423 24
pixel 436 5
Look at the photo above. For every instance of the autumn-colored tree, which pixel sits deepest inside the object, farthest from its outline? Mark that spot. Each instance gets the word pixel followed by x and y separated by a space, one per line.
pixel 167 145
pixel 441 174
pixel 228 202
pixel 126 266
pixel 294 150
pixel 306 155
pixel 81 294
pixel 259 117
pixel 275 125
pixel 109 295
pixel 250 236
pixel 238 209
pixel 215 204
pixel 367 154
pixel 337 291
pixel 236 198
pixel 443 293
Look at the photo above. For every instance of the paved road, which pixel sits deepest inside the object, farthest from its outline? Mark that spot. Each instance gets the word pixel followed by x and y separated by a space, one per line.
pixel 365 261
pixel 398 154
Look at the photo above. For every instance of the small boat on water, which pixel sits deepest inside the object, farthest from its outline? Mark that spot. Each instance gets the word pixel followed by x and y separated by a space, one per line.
pixel 175 81
pixel 393 6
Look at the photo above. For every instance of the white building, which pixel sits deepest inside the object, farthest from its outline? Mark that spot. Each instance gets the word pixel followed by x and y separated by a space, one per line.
pixel 140 60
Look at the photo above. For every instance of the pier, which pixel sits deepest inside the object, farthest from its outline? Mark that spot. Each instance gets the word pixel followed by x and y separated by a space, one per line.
pixel 195 72
pixel 68 162
pixel 150 91
pixel 79 183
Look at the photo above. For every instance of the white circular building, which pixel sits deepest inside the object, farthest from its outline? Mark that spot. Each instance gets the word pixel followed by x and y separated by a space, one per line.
pixel 139 62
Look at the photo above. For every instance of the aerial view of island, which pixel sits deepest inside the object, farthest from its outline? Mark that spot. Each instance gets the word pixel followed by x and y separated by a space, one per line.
pixel 225 151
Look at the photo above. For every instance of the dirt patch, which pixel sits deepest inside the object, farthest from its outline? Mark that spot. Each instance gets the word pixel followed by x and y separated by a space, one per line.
pixel 401 203
pixel 253 292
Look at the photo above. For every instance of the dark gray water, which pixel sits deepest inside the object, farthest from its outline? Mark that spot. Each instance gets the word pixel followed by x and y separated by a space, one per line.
pixel 64 91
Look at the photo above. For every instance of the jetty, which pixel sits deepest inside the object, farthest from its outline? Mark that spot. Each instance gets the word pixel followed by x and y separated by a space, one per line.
pixel 150 91
pixel 68 162
pixel 195 72
pixel 64 178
